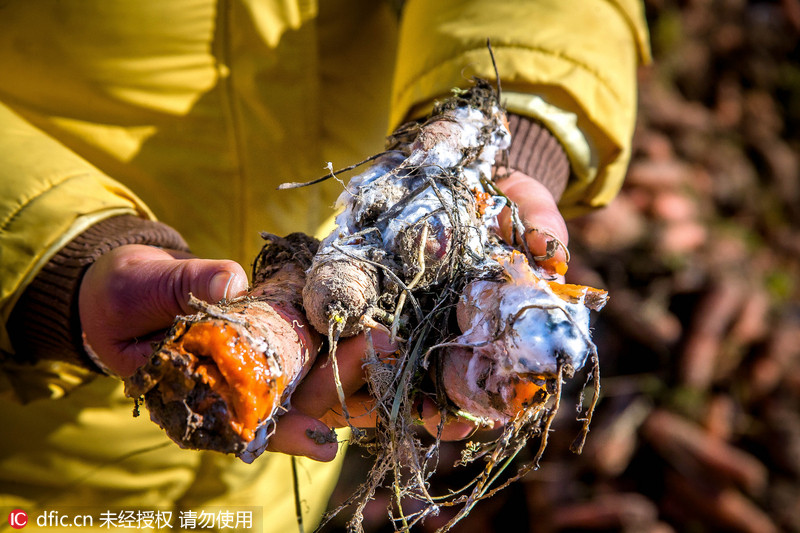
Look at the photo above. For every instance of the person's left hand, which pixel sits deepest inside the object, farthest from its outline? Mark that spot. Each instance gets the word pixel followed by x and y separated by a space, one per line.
pixel 540 216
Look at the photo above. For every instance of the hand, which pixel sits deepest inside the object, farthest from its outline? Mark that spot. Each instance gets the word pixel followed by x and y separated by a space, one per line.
pixel 130 296
pixel 316 404
pixel 540 216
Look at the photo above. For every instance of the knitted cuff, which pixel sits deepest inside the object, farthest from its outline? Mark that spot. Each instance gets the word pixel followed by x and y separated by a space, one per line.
pixel 536 152
pixel 45 323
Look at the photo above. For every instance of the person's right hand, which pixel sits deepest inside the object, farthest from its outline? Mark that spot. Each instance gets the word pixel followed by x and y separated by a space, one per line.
pixel 131 295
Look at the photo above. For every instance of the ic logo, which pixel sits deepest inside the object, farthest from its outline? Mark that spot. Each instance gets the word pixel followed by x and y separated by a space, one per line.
pixel 18 519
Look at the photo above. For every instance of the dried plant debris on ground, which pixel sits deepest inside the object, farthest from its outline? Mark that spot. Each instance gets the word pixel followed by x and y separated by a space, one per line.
pixel 698 426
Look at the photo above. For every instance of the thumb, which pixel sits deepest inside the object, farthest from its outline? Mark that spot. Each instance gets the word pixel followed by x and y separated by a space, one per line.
pixel 210 280
pixel 133 293
pixel 167 286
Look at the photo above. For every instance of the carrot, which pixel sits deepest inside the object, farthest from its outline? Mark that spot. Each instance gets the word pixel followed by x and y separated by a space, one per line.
pixel 410 221
pixel 220 377
pixel 518 331
pixel 423 217
pixel 421 221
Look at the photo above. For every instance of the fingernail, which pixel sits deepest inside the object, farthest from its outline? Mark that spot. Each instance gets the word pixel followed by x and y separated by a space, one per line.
pixel 225 285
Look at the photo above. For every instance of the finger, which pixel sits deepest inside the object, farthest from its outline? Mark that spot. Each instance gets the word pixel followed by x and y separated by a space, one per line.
pixel 454 428
pixel 210 280
pixel 166 287
pixel 152 288
pixel 361 411
pixel 318 393
pixel 179 254
pixel 134 292
pixel 539 212
pixel 299 434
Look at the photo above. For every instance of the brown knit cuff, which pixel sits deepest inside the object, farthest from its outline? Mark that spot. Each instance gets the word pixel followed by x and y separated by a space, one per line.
pixel 45 323
pixel 537 153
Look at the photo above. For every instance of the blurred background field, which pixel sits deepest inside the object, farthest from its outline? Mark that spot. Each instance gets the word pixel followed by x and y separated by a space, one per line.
pixel 698 426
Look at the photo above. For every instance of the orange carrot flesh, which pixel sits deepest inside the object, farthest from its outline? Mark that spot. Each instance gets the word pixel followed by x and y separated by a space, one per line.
pixel 240 374
pixel 553 264
pixel 574 293
pixel 526 393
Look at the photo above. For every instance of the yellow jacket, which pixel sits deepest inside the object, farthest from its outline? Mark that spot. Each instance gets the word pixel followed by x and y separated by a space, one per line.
pixel 193 112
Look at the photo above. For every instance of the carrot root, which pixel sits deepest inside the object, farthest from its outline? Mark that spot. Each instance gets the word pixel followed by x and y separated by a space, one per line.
pixel 221 376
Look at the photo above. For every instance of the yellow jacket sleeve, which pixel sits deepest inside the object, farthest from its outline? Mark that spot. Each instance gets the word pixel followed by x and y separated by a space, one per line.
pixel 48 195
pixel 578 56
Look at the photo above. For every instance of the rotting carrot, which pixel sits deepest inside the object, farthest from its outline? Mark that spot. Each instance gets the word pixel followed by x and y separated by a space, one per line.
pixel 418 228
pixel 220 377
pixel 534 326
pixel 422 218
